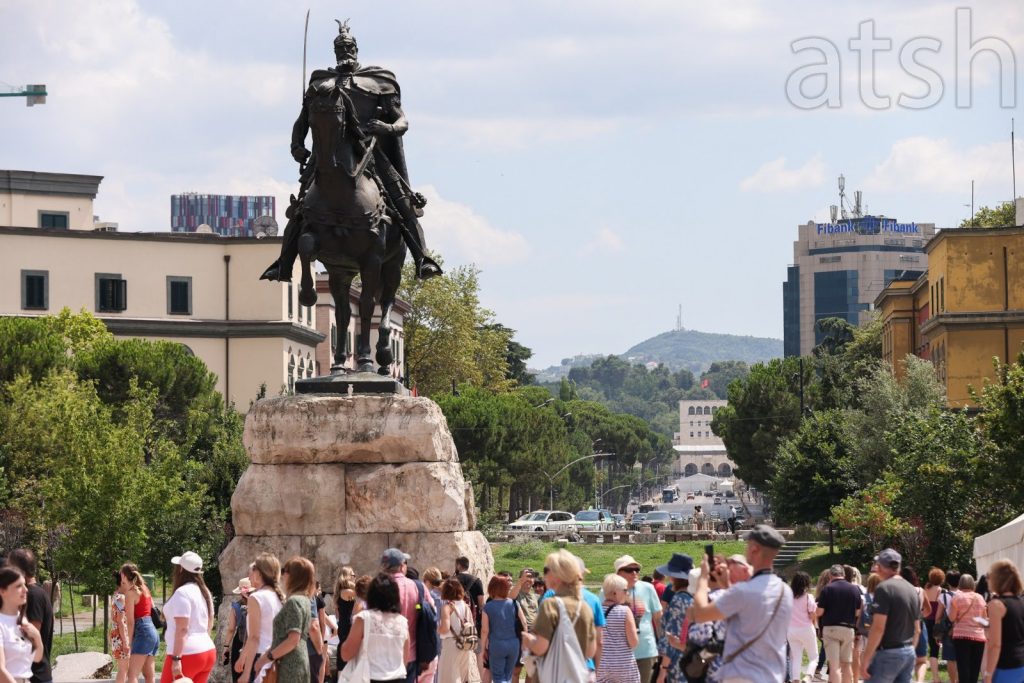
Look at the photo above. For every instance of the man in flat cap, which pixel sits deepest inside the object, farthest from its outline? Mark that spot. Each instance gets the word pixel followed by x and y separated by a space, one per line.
pixel 756 613
pixel 895 627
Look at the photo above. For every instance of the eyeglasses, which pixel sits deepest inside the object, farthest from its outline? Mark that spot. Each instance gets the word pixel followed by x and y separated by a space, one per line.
pixel 630 570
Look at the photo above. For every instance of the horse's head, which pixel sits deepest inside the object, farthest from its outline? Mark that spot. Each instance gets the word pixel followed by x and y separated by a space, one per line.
pixel 329 122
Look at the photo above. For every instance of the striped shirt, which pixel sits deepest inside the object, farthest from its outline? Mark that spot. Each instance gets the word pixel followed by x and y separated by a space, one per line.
pixel 617 664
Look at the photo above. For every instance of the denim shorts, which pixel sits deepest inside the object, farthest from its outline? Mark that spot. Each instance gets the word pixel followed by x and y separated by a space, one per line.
pixel 146 640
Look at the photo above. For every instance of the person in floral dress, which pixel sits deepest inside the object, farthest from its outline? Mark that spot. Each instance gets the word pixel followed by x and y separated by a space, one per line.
pixel 120 649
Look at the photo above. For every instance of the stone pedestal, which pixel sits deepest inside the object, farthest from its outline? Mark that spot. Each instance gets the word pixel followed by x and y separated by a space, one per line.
pixel 339 479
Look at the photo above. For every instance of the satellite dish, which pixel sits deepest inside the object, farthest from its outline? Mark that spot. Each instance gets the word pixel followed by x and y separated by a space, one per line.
pixel 264 226
pixel 205 229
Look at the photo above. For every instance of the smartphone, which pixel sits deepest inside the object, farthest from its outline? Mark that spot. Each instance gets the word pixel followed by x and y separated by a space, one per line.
pixel 981 621
pixel 709 550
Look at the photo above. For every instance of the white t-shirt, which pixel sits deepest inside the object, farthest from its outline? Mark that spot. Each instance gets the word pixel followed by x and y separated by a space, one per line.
pixel 17 648
pixel 189 602
pixel 270 605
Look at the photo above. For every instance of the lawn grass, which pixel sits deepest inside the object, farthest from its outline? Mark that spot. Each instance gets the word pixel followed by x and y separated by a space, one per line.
pixel 600 557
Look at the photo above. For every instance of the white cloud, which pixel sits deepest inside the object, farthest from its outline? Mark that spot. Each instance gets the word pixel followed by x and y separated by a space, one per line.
pixel 921 163
pixel 774 176
pixel 606 241
pixel 461 235
pixel 512 133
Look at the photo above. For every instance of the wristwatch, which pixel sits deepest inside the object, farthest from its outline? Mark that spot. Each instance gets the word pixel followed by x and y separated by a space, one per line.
pixel 175 658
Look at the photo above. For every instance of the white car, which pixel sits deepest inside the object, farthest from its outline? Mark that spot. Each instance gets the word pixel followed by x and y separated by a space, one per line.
pixel 545 520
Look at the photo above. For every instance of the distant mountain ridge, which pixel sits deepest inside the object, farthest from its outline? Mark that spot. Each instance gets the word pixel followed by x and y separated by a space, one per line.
pixel 697 350
pixel 677 349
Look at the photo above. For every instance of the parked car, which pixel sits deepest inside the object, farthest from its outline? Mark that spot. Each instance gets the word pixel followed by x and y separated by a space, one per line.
pixel 658 519
pixel 676 516
pixel 689 496
pixel 620 521
pixel 545 520
pixel 698 492
pixel 637 519
pixel 594 520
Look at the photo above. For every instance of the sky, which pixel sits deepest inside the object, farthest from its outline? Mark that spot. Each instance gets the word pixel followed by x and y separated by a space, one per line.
pixel 601 162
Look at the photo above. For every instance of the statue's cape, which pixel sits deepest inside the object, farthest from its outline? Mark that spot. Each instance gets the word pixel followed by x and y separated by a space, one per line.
pixel 372 79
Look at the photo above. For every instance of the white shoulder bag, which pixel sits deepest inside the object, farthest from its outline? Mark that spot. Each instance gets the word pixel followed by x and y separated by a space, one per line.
pixel 358 670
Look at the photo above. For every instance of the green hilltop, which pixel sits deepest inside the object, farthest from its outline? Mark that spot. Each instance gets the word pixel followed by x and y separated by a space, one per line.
pixel 696 351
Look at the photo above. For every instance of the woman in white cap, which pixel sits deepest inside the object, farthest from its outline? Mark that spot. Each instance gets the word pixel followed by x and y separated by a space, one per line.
pixel 191 652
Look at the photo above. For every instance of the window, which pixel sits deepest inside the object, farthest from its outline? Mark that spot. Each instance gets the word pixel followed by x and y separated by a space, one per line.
pixel 714 409
pixel 691 411
pixel 334 338
pixel 54 220
pixel 942 293
pixel 291 374
pixel 35 290
pixel 829 259
pixel 309 315
pixel 179 295
pixel 111 293
pixel 290 309
pixel 691 435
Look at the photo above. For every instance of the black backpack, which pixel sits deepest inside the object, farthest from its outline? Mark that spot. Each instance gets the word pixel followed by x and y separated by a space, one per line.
pixel 428 642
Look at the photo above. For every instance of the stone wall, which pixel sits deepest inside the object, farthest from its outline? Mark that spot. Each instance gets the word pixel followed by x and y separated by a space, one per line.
pixel 338 479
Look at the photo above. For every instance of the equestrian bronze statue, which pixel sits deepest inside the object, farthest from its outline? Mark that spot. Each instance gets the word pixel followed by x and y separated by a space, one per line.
pixel 355 212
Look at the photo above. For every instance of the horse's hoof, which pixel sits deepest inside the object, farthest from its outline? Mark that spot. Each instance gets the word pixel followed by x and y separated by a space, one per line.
pixel 307 297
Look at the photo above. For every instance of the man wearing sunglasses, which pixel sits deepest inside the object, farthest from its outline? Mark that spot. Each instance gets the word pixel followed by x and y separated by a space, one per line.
pixel 642 598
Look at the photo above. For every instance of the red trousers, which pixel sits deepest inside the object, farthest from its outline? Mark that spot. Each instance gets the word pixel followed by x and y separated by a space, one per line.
pixel 197 667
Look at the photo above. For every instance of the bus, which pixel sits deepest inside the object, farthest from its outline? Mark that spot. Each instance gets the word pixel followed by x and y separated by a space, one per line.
pixel 669 495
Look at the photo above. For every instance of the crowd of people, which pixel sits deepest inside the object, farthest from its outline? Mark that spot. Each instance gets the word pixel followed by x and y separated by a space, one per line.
pixel 722 620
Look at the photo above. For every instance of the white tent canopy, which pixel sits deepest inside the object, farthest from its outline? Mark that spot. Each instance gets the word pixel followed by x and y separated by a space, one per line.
pixel 1006 542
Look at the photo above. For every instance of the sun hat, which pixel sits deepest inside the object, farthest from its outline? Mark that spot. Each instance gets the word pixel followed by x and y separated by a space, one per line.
pixel 244 587
pixel 678 567
pixel 625 561
pixel 189 561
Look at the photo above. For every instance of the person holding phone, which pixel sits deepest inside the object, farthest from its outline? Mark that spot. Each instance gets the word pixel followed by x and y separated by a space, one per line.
pixel 21 645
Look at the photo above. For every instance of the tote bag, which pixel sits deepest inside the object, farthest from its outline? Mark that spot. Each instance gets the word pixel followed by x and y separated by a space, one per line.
pixel 358 670
pixel 564 661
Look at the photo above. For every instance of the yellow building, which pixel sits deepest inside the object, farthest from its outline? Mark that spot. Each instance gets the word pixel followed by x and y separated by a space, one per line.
pixel 200 290
pixel 966 310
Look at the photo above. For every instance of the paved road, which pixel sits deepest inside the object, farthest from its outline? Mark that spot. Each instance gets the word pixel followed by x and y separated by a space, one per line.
pixel 686 507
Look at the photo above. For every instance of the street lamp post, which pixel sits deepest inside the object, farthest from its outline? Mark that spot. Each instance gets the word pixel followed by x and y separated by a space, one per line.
pixel 551 477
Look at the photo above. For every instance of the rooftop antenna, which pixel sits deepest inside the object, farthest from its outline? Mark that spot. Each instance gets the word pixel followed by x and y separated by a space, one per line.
pixel 842 197
pixel 834 209
pixel 857 197
pixel 679 318
pixel 973 224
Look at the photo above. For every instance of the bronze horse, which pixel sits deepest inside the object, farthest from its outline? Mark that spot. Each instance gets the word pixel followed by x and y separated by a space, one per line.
pixel 347 228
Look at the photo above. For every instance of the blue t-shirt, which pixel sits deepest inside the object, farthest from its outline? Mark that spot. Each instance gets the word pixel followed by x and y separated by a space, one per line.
pixel 595 606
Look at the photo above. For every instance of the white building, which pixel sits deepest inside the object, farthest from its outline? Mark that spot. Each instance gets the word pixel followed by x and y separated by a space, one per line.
pixel 700 451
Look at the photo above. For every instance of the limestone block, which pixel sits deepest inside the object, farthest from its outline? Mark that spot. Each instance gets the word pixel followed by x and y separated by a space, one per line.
pixel 440 550
pixel 82 666
pixel 360 551
pixel 278 500
pixel 318 428
pixel 327 552
pixel 421 496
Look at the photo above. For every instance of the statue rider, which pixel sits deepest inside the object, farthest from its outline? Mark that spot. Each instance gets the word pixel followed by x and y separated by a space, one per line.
pixel 376 99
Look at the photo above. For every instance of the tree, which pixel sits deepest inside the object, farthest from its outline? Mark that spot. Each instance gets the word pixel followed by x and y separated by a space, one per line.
pixel 814 469
pixel 1002 216
pixel 1002 421
pixel 450 338
pixel 72 464
pixel 763 410
pixel 721 374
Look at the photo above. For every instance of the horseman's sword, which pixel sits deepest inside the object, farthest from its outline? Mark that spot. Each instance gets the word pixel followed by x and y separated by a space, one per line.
pixel 305 40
